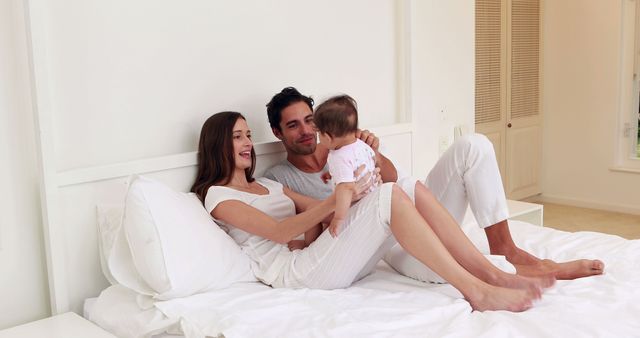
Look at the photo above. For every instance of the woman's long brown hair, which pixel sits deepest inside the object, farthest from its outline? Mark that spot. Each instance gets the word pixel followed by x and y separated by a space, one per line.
pixel 216 160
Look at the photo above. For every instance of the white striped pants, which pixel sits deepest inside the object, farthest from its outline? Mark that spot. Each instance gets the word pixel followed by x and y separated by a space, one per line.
pixel 330 263
pixel 467 173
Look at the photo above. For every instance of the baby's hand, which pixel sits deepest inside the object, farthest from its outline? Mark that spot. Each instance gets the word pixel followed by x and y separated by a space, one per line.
pixel 296 244
pixel 326 177
pixel 334 227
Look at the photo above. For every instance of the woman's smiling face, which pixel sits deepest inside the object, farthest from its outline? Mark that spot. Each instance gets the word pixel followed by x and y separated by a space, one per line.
pixel 242 144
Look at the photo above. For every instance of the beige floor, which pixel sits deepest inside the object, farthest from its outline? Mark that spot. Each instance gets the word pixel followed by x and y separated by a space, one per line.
pixel 573 219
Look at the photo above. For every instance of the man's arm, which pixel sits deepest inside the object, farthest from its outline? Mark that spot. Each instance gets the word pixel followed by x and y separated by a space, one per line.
pixel 387 169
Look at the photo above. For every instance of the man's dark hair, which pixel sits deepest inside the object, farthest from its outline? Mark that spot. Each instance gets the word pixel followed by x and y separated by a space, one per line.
pixel 282 100
pixel 337 116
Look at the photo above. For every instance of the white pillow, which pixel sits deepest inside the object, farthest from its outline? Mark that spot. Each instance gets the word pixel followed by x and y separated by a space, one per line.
pixel 109 221
pixel 175 247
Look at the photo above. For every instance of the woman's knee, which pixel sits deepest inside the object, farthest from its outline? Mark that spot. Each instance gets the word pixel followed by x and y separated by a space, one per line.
pixel 421 190
pixel 399 196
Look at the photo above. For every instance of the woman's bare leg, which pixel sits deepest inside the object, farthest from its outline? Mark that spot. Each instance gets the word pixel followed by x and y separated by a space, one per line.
pixel 417 238
pixel 463 250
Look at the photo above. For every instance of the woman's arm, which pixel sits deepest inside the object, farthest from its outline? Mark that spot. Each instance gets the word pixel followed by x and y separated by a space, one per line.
pixel 302 202
pixel 254 221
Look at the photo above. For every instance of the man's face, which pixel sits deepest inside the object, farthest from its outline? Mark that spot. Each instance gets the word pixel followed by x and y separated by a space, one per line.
pixel 297 131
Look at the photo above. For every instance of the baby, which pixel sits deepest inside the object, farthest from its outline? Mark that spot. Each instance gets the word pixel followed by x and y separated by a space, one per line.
pixel 336 120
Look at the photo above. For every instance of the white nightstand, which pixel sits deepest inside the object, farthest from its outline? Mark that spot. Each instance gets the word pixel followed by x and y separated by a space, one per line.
pixel 526 212
pixel 67 325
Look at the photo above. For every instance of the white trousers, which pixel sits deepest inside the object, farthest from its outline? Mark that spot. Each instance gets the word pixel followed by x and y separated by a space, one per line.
pixel 466 174
pixel 330 263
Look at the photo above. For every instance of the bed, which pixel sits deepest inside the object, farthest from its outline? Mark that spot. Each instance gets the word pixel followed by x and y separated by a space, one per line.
pixel 386 304
pixel 383 304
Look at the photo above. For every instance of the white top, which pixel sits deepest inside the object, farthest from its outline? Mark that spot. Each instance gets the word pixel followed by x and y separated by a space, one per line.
pixel 267 257
pixel 344 161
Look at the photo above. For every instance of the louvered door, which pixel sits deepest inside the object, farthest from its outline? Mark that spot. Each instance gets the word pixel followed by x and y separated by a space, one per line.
pixel 490 75
pixel 511 119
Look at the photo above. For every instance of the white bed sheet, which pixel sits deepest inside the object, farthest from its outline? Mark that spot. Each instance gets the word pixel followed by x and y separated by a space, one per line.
pixel 386 304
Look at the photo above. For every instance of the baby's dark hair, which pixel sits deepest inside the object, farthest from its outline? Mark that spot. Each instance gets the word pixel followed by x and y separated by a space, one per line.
pixel 337 116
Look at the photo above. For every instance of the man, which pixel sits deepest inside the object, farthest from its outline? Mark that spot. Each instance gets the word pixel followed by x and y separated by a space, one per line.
pixel 466 173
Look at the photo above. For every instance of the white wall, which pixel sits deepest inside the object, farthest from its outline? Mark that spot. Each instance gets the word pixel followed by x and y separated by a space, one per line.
pixel 443 75
pixel 125 75
pixel 581 63
pixel 23 280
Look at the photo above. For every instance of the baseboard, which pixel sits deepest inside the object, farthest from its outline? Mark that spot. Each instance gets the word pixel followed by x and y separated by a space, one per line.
pixel 627 209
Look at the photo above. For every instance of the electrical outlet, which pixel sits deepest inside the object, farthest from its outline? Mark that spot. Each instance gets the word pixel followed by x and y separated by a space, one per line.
pixel 443 144
pixel 460 130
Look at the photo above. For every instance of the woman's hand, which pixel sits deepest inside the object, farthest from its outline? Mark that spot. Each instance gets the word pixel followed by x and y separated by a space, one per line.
pixel 363 185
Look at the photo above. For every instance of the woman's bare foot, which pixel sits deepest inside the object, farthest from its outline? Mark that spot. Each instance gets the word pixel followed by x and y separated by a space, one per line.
pixel 493 298
pixel 565 271
pixel 538 283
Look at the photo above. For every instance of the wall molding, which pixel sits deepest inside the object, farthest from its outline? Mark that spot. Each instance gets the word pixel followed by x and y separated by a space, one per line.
pixel 155 164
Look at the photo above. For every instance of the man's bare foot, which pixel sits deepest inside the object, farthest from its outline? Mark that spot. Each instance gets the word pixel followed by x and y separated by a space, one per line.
pixel 518 256
pixel 565 271
pixel 527 264
pixel 493 298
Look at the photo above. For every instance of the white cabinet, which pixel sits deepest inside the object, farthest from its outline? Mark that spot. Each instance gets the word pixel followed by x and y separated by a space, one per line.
pixel 526 212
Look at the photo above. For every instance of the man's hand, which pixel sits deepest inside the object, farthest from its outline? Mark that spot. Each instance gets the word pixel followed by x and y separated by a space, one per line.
pixel 369 138
pixel 387 169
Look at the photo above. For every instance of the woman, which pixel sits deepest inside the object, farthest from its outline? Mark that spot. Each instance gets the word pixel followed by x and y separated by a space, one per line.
pixel 262 216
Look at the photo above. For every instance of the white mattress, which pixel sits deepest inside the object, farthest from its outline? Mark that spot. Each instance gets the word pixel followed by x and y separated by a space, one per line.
pixel 388 304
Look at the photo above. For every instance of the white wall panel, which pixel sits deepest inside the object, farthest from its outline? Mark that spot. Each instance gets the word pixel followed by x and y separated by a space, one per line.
pixel 443 75
pixel 136 79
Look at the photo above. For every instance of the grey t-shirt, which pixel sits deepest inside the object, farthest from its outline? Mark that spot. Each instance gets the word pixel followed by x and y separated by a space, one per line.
pixel 309 184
